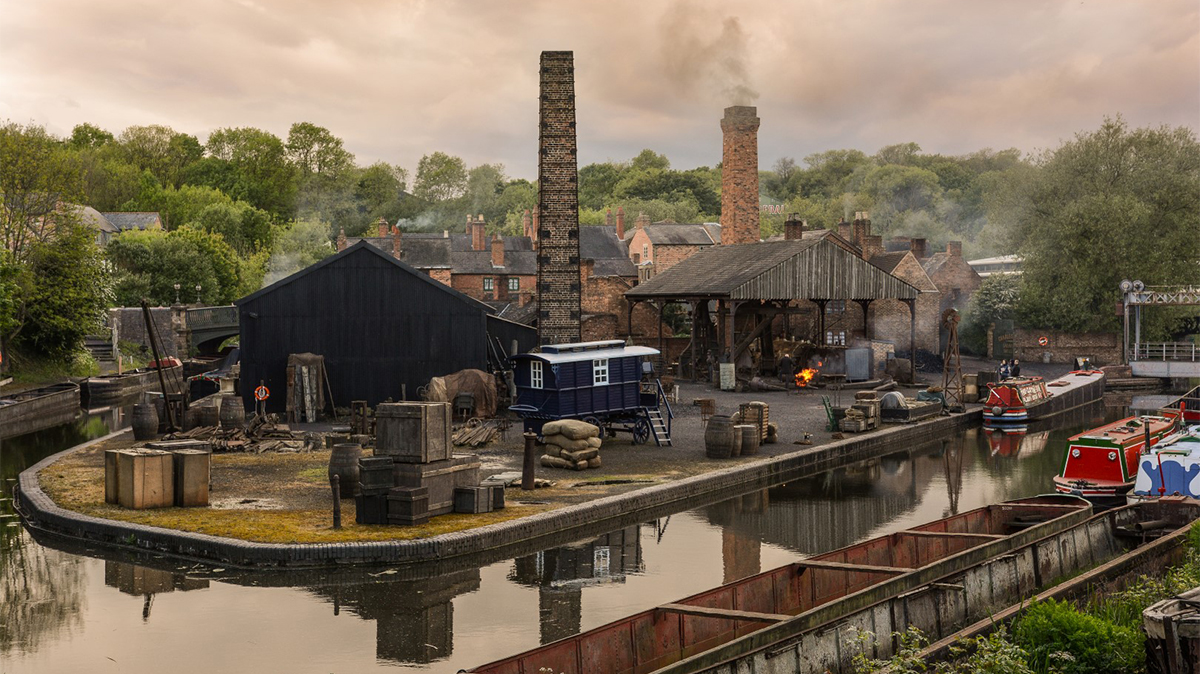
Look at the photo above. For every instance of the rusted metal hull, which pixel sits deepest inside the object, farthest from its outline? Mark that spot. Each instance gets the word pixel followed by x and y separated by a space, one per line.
pixel 822 588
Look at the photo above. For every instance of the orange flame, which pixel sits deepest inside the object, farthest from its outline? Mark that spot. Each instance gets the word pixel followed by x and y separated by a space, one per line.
pixel 803 377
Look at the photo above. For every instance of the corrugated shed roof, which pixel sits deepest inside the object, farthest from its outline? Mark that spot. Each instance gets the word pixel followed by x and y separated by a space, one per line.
pixel 775 270
pixel 134 220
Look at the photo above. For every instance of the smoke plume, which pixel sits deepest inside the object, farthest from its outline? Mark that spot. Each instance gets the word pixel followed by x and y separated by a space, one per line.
pixel 698 62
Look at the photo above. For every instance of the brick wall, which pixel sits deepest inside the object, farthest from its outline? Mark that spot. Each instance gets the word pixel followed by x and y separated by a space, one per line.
pixel 440 275
pixel 739 175
pixel 890 318
pixel 666 257
pixel 472 285
pixel 558 203
pixel 605 296
pixel 1103 348
pixel 957 281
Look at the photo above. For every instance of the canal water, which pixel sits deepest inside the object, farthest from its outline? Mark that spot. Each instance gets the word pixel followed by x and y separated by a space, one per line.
pixel 66 608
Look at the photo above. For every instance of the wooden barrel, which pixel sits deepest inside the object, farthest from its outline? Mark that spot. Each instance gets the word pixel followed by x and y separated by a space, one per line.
pixel 233 414
pixel 190 416
pixel 344 463
pixel 207 415
pixel 750 437
pixel 719 442
pixel 144 422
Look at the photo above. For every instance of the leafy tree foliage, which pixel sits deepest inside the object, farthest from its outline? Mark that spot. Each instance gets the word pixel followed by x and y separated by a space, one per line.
pixel 440 177
pixel 1113 204
pixel 251 165
pixel 38 178
pixel 148 264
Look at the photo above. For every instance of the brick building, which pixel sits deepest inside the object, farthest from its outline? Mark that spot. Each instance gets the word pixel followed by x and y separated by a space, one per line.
pixel 658 247
pixel 956 279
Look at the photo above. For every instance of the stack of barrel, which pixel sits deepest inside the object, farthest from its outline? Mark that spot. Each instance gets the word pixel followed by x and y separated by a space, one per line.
pixel 726 437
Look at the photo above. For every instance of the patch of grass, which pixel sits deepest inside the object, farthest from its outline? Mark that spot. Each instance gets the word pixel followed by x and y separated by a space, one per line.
pixel 31 372
pixel 316 475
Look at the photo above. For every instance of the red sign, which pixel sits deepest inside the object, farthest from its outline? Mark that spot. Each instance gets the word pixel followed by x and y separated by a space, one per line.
pixel 261 393
pixel 1043 341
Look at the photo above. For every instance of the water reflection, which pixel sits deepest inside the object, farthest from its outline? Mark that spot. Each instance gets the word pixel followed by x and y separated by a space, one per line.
pixel 383 619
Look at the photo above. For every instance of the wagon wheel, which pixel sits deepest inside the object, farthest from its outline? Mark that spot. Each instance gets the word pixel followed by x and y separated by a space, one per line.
pixel 641 431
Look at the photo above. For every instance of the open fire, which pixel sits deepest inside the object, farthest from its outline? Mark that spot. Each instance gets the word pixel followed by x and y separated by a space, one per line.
pixel 804 377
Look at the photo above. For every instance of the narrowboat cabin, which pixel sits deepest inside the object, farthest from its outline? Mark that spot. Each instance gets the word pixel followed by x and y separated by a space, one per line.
pixel 1023 399
pixel 1170 468
pixel 597 382
pixel 1102 463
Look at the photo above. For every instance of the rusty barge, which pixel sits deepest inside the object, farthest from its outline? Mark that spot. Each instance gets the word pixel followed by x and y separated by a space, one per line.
pixel 38 408
pixel 812 591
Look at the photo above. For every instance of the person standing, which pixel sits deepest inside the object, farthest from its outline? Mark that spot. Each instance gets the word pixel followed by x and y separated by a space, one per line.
pixel 1005 371
pixel 785 368
pixel 1015 370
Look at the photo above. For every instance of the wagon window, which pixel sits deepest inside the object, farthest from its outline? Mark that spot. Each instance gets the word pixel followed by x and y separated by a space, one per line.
pixel 599 371
pixel 535 373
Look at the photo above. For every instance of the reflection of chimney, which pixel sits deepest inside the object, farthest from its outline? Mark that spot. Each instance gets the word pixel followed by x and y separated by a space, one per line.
pixel 526 227
pixel 954 248
pixel 918 247
pixel 383 228
pixel 396 250
pixel 620 223
pixel 341 244
pixel 739 175
pixel 844 231
pixel 497 251
pixel 793 228
pixel 642 221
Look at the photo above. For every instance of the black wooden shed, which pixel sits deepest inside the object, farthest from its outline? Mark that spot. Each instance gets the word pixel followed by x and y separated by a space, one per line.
pixel 383 327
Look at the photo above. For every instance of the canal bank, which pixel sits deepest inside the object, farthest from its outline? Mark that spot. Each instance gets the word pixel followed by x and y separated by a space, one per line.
pixel 490 542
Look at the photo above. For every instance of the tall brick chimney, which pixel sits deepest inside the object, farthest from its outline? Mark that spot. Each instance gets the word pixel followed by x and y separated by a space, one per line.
pixel 862 229
pixel 497 251
pixel 739 175
pixel 559 286
pixel 919 248
pixel 383 228
pixel 620 223
pixel 397 251
pixel 341 240
pixel 954 248
pixel 793 228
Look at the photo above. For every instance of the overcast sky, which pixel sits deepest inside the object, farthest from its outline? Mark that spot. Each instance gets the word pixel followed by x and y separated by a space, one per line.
pixel 398 78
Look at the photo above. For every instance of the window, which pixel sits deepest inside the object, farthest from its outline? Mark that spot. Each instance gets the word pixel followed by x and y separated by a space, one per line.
pixel 645 251
pixel 535 374
pixel 489 284
pixel 514 284
pixel 835 306
pixel 835 338
pixel 599 371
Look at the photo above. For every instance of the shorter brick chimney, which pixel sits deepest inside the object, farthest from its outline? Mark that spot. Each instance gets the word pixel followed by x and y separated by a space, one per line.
pixel 608 217
pixel 587 269
pixel 478 234
pixel 397 251
pixel 862 229
pixel 954 248
pixel 497 251
pixel 843 230
pixel 642 221
pixel 793 228
pixel 919 248
pixel 383 228
pixel 874 246
pixel 536 232
pixel 341 241
pixel 620 223
pixel 526 226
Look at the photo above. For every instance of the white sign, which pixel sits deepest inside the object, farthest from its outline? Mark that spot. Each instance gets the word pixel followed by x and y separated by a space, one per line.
pixel 728 378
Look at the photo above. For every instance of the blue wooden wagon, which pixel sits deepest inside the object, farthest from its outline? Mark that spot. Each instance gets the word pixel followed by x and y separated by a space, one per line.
pixel 597 382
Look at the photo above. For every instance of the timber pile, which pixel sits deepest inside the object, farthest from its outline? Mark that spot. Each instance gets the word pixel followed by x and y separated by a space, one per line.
pixel 262 434
pixel 571 444
pixel 476 435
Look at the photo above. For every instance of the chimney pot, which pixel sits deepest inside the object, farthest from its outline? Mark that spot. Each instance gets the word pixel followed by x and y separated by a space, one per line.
pixel 383 228
pixel 793 228
pixel 620 223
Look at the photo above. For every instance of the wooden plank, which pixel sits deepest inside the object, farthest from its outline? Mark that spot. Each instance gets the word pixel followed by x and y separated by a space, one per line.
pixel 842 566
pixel 949 534
pixel 728 614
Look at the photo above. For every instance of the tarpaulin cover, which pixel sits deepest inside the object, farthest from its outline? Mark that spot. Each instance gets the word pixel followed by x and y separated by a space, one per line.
pixel 477 382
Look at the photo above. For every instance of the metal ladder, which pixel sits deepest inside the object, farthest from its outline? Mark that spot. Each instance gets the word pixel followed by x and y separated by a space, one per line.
pixel 658 427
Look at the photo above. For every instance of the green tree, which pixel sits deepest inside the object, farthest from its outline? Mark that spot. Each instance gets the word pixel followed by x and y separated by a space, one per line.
pixel 300 244
pixel 440 177
pixel 314 150
pixel 1116 203
pixel 85 136
pixel 252 165
pixel 38 179
pixel 597 183
pixel 67 292
pixel 648 160
pixel 148 264
pixel 161 150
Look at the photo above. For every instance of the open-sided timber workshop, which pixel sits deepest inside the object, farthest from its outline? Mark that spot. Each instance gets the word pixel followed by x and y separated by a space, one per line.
pixel 735 293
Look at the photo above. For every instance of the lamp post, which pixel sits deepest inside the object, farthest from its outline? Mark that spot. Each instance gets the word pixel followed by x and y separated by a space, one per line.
pixel 197 293
pixel 176 293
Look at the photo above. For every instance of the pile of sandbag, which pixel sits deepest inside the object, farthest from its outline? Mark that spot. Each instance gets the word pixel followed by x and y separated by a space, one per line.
pixel 571 444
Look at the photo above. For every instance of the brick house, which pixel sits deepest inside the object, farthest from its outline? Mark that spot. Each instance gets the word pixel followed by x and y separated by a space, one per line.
pixel 954 278
pixel 658 247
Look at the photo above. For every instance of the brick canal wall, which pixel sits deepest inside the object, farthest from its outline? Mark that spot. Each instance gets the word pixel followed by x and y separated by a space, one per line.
pixel 490 543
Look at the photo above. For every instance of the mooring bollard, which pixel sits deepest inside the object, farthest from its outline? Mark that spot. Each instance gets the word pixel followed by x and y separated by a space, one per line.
pixel 527 477
pixel 335 482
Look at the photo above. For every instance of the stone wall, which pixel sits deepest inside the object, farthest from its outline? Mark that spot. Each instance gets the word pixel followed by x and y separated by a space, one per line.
pixel 559 289
pixel 739 176
pixel 128 325
pixel 1102 348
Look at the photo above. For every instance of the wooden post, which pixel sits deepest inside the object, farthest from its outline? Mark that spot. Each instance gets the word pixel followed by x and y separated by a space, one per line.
pixel 528 469
pixel 162 382
pixel 335 482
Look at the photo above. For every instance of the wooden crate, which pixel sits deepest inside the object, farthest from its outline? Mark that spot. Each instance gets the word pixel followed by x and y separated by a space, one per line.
pixel 441 478
pixel 192 476
pixel 371 508
pixel 145 479
pixel 112 476
pixel 408 505
pixel 413 432
pixel 473 500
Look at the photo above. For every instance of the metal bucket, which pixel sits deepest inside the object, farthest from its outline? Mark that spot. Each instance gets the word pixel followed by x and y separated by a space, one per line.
pixel 344 463
pixel 719 440
pixel 144 421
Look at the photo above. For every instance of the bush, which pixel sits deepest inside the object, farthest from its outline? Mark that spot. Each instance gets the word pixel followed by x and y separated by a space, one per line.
pixel 1052 628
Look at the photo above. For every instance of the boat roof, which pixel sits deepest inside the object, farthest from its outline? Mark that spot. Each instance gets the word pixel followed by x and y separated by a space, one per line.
pixel 1129 427
pixel 576 356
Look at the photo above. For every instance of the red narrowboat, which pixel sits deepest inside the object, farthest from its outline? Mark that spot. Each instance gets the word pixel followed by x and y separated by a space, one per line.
pixel 1101 464
pixel 1023 399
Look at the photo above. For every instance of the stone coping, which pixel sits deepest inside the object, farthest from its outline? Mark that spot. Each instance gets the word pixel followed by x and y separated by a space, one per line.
pixel 483 544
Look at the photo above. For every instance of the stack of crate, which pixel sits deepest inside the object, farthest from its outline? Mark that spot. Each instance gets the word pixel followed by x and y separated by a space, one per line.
pixel 416 437
pixel 374 481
